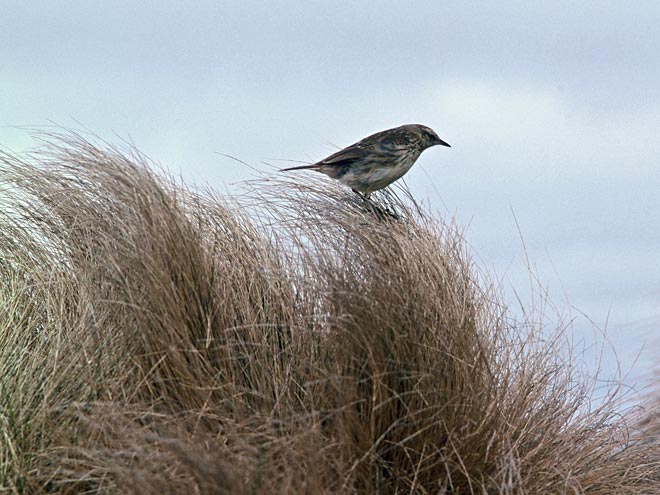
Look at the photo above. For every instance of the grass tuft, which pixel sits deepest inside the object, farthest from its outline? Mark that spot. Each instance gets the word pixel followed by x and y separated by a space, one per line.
pixel 155 339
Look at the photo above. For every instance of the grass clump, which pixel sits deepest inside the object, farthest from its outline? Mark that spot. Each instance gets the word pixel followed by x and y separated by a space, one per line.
pixel 154 339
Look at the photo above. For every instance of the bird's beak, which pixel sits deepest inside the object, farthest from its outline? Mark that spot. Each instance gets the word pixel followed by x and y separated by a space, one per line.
pixel 442 143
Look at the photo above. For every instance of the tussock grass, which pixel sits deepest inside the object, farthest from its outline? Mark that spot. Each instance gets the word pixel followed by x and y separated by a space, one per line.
pixel 154 339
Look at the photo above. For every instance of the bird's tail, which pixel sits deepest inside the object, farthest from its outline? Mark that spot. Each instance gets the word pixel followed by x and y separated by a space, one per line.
pixel 300 167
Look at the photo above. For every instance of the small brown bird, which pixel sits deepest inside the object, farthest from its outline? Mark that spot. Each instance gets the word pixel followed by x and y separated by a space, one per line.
pixel 377 160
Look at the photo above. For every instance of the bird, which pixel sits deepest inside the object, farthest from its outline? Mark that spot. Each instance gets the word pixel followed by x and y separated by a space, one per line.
pixel 377 160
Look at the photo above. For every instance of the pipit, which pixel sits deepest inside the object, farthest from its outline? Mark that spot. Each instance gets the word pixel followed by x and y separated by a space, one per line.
pixel 377 160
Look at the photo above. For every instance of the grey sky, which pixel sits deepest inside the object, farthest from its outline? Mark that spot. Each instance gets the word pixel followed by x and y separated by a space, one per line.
pixel 552 110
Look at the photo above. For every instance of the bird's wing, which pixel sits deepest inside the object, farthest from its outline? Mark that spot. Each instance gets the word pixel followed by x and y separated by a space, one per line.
pixel 345 156
pixel 384 141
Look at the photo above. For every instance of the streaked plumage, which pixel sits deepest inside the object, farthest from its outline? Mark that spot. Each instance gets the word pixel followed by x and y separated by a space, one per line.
pixel 377 160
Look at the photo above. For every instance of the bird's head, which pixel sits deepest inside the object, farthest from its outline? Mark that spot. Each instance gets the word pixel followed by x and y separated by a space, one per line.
pixel 428 137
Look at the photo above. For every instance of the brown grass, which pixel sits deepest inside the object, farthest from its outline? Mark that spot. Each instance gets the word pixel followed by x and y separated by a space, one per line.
pixel 158 340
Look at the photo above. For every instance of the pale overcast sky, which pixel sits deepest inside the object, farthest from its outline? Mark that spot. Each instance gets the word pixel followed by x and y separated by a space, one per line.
pixel 552 110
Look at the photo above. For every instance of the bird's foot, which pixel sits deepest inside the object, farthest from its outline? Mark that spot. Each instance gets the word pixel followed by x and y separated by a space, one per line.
pixel 380 213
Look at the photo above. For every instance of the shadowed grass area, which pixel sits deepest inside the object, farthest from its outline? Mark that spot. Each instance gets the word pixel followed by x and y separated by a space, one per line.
pixel 158 340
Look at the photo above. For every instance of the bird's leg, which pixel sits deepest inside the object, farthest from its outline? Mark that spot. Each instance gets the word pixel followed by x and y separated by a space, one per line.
pixel 376 210
pixel 366 195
